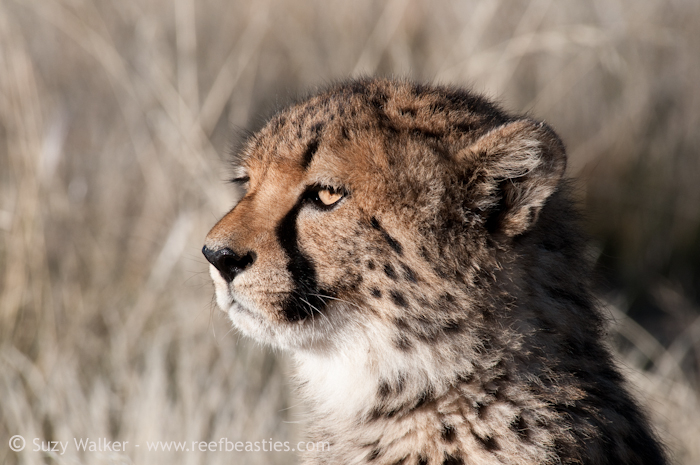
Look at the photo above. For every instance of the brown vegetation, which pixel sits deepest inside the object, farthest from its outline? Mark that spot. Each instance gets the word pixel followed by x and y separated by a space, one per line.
pixel 114 122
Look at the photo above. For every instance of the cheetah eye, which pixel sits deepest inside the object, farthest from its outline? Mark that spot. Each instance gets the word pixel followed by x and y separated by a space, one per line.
pixel 241 181
pixel 325 197
pixel 329 197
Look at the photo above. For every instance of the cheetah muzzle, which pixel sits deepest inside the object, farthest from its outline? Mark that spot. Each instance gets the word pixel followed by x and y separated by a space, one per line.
pixel 413 247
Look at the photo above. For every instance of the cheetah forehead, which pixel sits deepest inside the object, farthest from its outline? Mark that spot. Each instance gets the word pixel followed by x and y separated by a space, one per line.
pixel 374 117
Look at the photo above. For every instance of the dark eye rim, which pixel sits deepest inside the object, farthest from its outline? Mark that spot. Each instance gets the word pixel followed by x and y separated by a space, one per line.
pixel 311 196
pixel 241 180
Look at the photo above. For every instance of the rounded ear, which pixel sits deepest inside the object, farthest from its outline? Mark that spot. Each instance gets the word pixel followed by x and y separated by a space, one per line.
pixel 513 169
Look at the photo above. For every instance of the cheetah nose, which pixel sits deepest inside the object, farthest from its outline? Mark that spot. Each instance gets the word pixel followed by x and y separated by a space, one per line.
pixel 228 262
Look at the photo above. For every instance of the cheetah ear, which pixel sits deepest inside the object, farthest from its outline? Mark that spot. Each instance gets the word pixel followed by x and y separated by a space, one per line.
pixel 514 169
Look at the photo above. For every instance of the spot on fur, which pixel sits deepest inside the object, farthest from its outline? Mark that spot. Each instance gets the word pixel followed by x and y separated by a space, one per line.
pixel 403 343
pixel 309 153
pixel 452 327
pixel 374 454
pixel 448 433
pixel 452 460
pixel 488 443
pixel 398 299
pixel 409 274
pixel 424 398
pixel 401 324
pixel 393 243
pixel 519 426
pixel 384 389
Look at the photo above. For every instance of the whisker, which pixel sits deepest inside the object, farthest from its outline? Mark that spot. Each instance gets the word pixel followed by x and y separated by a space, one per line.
pixel 315 308
pixel 322 296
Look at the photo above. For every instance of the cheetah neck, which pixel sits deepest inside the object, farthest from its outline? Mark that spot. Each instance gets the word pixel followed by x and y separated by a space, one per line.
pixel 350 382
pixel 370 397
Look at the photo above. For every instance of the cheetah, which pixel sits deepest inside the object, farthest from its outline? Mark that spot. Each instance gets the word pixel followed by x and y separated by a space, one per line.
pixel 415 249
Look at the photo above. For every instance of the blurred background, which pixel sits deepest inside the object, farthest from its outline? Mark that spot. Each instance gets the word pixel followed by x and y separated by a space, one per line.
pixel 116 121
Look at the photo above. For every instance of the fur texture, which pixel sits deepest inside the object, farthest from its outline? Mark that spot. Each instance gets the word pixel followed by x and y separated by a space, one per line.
pixel 439 312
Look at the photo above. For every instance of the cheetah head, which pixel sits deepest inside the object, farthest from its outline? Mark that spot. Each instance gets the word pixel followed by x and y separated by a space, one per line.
pixel 370 202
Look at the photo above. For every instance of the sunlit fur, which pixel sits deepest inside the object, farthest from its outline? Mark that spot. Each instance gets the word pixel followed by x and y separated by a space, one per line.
pixel 439 311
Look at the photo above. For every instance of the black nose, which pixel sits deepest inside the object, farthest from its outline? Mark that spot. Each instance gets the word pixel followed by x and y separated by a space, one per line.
pixel 228 262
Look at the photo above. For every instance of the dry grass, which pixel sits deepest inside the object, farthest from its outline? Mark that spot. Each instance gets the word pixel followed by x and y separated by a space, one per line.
pixel 114 119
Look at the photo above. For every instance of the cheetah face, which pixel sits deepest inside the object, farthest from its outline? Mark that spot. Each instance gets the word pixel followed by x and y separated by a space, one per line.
pixel 304 253
pixel 364 203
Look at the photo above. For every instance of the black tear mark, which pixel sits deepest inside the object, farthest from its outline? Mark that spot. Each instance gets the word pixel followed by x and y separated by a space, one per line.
pixel 305 298
pixel 393 243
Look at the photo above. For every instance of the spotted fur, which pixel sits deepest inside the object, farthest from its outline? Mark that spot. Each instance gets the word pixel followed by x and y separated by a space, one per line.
pixel 439 312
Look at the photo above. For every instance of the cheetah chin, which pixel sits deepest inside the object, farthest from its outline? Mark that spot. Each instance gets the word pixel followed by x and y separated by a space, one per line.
pixel 414 248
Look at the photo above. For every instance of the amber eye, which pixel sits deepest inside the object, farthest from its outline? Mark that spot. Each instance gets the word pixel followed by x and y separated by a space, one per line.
pixel 328 197
pixel 324 197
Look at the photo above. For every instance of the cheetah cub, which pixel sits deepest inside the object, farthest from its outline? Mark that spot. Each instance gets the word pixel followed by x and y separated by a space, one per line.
pixel 414 249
